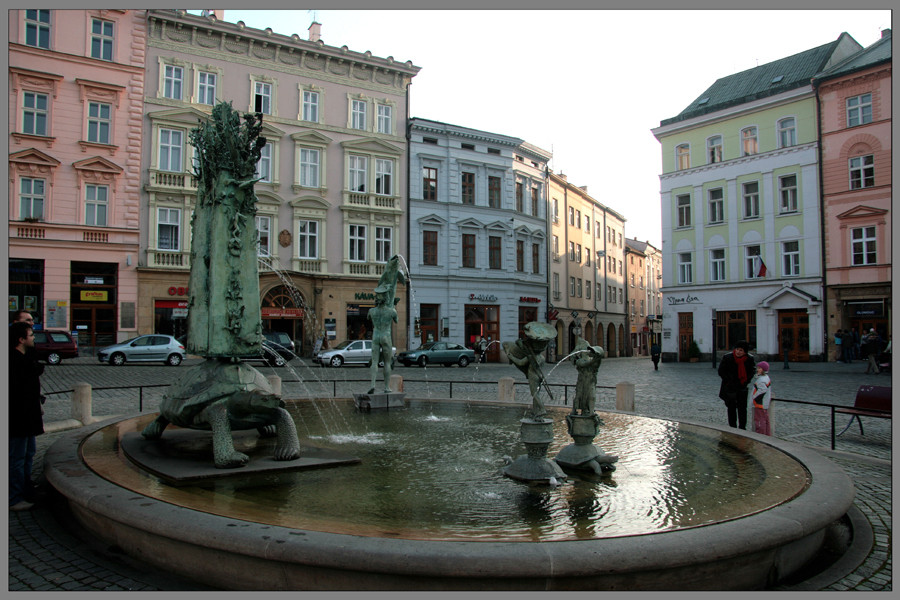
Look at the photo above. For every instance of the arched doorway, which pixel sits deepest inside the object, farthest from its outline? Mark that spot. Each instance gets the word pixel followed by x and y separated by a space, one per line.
pixel 589 333
pixel 558 342
pixel 600 339
pixel 621 340
pixel 611 340
pixel 571 337
pixel 280 312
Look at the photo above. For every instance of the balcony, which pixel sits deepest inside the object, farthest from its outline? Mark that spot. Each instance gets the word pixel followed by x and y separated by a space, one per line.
pixel 168 259
pixel 172 181
pixel 366 200
pixel 309 265
pixel 49 232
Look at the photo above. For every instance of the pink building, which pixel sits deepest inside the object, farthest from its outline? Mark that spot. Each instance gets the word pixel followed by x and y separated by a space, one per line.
pixel 855 107
pixel 76 86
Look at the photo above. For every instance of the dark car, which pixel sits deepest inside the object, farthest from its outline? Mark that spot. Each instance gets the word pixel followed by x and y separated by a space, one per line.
pixel 53 346
pixel 277 349
pixel 445 353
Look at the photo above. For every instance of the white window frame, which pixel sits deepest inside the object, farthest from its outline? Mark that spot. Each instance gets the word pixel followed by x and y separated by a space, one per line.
pixel 716 206
pixel 859 110
pixel 358 167
pixel 384 175
pixel 102 43
pixel 682 157
pixel 263 235
pixel 96 132
pixel 310 110
pixel 717 264
pixel 264 164
pixel 170 162
pixel 787 132
pixel 714 149
pixel 169 218
pixel 750 200
pixel 863 246
pixel 683 210
pixel 173 81
pixel 790 253
pixel 310 167
pixel 35 114
pixel 308 239
pixel 383 243
pixel 749 141
pixel 96 206
pixel 556 286
pixel 385 118
pixel 862 170
pixel 750 266
pixel 358 114
pixel 35 23
pixel 31 198
pixel 788 194
pixel 572 287
pixel 207 82
pixel 263 97
pixel 357 243
pixel 685 268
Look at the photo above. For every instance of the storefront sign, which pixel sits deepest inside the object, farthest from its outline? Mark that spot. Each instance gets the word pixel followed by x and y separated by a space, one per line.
pixel 93 280
pixel 363 296
pixel 269 312
pixel 673 300
pixel 94 295
pixel 483 297
pixel 179 313
pixel 171 304
pixel 867 309
pixel 178 291
pixel 529 299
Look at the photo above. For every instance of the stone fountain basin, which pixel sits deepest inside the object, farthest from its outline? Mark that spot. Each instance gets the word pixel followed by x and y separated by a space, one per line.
pixel 237 552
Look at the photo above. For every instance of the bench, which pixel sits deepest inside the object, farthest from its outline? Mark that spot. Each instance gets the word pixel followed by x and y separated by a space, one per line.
pixel 871 401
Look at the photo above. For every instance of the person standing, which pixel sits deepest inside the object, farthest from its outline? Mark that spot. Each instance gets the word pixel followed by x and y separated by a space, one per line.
pixel 25 418
pixel 735 370
pixel 761 396
pixel 838 346
pixel 854 352
pixel 846 345
pixel 872 348
pixel 654 355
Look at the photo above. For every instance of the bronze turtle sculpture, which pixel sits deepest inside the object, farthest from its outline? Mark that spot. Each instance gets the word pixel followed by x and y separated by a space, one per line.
pixel 222 396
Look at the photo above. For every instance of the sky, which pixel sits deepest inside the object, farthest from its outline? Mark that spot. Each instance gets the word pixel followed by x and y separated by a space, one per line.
pixel 587 85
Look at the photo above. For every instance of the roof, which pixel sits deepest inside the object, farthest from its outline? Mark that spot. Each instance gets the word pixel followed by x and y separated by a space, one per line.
pixel 769 79
pixel 877 53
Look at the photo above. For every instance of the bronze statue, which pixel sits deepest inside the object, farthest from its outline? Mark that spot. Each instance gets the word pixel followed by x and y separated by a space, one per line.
pixel 526 354
pixel 587 363
pixel 383 316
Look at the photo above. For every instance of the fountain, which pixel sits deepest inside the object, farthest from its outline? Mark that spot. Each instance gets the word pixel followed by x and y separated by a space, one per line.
pixel 423 501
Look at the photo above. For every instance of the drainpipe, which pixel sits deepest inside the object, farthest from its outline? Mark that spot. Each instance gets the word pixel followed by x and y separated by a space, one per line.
pixel 408 220
pixel 821 224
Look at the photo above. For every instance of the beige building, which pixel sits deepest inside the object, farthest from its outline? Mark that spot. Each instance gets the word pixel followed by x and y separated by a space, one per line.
pixel 643 272
pixel 332 190
pixel 587 269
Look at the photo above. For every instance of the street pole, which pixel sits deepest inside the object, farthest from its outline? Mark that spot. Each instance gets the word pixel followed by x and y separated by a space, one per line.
pixel 713 339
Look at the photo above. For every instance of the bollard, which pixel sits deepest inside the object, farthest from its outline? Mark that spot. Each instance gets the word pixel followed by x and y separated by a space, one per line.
pixel 396 384
pixel 81 403
pixel 506 390
pixel 275 382
pixel 625 396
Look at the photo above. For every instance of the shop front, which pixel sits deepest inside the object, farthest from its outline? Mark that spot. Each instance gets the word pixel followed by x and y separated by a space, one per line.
pixel 93 300
pixel 483 321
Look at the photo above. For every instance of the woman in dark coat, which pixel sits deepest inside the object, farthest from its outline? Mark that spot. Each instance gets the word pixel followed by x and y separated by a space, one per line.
pixel 736 369
pixel 25 420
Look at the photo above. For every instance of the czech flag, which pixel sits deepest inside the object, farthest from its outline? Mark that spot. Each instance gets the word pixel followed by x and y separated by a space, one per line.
pixel 761 272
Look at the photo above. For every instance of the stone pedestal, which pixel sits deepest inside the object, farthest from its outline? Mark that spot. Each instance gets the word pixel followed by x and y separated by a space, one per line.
pixel 367 402
pixel 535 466
pixel 583 454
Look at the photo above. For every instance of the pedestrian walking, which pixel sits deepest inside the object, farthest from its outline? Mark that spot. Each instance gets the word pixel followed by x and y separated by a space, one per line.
pixel 25 415
pixel 761 397
pixel 736 370
pixel 654 356
pixel 872 348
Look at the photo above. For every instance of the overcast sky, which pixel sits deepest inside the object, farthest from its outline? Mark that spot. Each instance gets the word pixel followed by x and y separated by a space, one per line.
pixel 588 85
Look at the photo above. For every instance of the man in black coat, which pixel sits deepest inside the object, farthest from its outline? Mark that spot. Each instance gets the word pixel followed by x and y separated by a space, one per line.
pixel 25 420
pixel 736 369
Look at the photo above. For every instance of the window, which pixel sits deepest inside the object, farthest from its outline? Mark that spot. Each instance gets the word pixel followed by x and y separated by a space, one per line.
pixel 535 258
pixel 787 132
pixel 734 326
pixel 790 252
pixel 714 149
pixel 716 206
pixel 587 290
pixel 621 296
pixel 587 224
pixel 520 256
pixel 572 215
pixel 357 243
pixel 520 197
pixel 578 219
pixel 682 157
pixel 173 80
pixel 632 279
pixel 170 143
pixel 429 247
pixel 309 168
pixel 685 273
pixel 383 246
pixel 98 122
pixel 494 192
pixel 683 204
pixel 717 264
pixel 863 246
pixel 468 250
pixel 572 251
pixel 632 307
pixel 358 114
pixel 262 98
pixel 495 258
pixel 467 146
pixel 310 106
pixel 749 142
pixel 787 187
pixel 206 88
pixel 385 119
pixel 101 40
pixel 359 166
pixel 535 201
pixel 263 228
pixel 578 287
pixel 308 239
pixel 468 188
pixel 96 202
pixel 750 192
pixel 31 198
pixel 859 110
pixel 264 166
pixel 556 286
pixel 34 114
pixel 572 286
pixel 429 183
pixel 862 171
pixel 168 227
pixel 751 262
pixel 555 210
pixel 578 253
pixel 384 173
pixel 37 28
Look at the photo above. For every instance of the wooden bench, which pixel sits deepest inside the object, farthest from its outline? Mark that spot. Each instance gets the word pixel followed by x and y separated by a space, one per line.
pixel 871 401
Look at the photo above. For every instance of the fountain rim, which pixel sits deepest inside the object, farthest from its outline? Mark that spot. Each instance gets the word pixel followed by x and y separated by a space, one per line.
pixel 827 498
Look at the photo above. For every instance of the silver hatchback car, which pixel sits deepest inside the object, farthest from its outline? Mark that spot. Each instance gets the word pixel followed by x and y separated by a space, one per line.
pixel 144 348
pixel 350 352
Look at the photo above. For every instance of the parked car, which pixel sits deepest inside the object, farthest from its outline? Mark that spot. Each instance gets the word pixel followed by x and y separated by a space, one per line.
pixel 144 348
pixel 277 351
pixel 444 353
pixel 53 346
pixel 351 352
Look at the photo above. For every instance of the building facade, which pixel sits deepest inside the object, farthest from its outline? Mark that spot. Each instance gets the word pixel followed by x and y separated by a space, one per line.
pixel 76 85
pixel 587 270
pixel 855 119
pixel 741 213
pixel 332 189
pixel 643 271
pixel 477 229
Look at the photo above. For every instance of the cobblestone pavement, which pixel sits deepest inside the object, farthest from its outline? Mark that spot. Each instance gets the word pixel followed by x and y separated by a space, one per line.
pixel 49 553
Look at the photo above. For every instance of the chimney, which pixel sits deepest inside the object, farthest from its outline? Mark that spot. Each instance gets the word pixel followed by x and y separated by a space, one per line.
pixel 315 31
pixel 218 15
pixel 583 188
pixel 885 33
